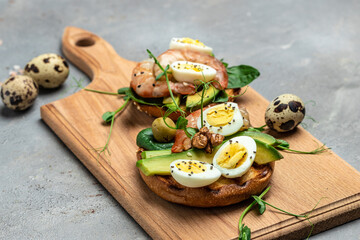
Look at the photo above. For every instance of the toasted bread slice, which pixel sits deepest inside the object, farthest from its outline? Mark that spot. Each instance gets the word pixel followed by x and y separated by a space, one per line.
pixel 223 192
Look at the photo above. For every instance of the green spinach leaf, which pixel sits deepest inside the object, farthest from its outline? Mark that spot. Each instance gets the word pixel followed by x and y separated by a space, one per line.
pixel 222 96
pixel 242 75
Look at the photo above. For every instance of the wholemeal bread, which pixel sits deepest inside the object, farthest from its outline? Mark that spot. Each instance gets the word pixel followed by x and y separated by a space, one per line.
pixel 223 192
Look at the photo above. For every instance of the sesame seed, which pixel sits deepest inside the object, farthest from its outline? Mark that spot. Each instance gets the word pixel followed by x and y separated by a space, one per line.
pixel 179 169
pixel 211 168
pixel 250 157
pixel 141 72
pixel 227 153
pixel 192 172
pixel 189 174
pixel 229 156
pixel 233 120
pixel 229 123
pixel 215 111
pixel 254 151
pixel 220 127
pixel 134 74
pixel 225 108
pixel 227 174
pixel 237 141
pixel 172 166
pixel 203 170
pixel 153 84
pixel 230 141
pixel 172 171
pixel 178 164
pixel 139 86
pixel 233 108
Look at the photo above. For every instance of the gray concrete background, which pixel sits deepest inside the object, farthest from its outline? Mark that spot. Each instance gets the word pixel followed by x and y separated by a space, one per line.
pixel 308 48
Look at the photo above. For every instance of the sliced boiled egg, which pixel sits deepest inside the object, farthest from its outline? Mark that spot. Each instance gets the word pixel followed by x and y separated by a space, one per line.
pixel 224 119
pixel 184 71
pixel 193 173
pixel 189 43
pixel 235 157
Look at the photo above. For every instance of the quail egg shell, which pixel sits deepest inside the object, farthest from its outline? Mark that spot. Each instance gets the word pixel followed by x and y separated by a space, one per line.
pixel 189 43
pixel 235 157
pixel 19 92
pixel 285 112
pixel 48 70
pixel 194 173
pixel 224 119
pixel 184 71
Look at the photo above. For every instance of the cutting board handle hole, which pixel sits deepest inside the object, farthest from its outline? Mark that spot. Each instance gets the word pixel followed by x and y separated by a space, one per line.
pixel 85 42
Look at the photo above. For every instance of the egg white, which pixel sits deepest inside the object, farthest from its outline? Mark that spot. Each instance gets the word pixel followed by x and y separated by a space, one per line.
pixel 250 146
pixel 232 127
pixel 210 175
pixel 205 73
pixel 176 43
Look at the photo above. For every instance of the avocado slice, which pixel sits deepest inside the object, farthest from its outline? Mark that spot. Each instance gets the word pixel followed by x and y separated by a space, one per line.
pixel 169 103
pixel 266 153
pixel 193 102
pixel 155 153
pixel 266 138
pixel 160 165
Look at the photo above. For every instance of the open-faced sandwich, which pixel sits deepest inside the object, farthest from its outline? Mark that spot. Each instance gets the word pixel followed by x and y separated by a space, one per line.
pixel 222 163
pixel 174 80
pixel 214 159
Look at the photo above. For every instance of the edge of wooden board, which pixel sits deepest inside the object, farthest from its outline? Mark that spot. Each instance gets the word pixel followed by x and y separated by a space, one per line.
pixel 324 218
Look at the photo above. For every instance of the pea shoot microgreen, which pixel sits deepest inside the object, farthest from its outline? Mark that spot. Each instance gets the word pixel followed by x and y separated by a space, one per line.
pixel 245 232
pixel 284 145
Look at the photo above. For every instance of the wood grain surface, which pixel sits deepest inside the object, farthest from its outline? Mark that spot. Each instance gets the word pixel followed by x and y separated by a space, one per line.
pixel 298 183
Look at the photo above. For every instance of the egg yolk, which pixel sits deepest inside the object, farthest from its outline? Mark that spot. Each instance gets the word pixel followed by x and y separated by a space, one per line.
pixel 188 66
pixel 191 41
pixel 191 167
pixel 220 115
pixel 232 156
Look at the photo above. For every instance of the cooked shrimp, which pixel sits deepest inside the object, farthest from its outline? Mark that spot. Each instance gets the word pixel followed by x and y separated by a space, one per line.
pixel 173 55
pixel 183 142
pixel 144 84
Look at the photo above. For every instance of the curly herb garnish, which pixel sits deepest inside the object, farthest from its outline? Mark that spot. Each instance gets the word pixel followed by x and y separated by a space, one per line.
pixel 245 232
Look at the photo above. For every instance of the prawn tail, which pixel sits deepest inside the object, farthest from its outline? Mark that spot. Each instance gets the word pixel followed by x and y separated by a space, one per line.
pixel 183 88
pixel 182 142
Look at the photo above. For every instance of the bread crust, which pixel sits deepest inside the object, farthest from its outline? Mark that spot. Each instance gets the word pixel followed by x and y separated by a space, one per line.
pixel 156 111
pixel 223 192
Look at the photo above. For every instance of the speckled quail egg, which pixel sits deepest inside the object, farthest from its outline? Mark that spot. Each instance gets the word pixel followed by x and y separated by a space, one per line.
pixel 285 112
pixel 19 92
pixel 48 70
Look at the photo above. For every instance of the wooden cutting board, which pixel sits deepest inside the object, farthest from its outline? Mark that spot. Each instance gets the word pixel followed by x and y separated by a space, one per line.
pixel 298 183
